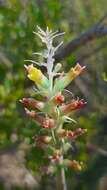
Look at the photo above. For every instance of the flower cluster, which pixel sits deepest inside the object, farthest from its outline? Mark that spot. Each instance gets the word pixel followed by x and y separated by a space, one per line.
pixel 53 106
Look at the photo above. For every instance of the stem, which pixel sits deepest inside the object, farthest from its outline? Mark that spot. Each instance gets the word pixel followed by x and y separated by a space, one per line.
pixel 61 180
pixel 51 80
pixel 53 135
pixel 50 61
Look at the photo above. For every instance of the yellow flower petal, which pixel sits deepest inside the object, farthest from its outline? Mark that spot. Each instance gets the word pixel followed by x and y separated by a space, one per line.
pixel 38 77
pixel 34 74
pixel 61 83
pixel 74 72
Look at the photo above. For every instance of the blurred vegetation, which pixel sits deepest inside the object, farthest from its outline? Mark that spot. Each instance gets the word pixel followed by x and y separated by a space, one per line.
pixel 18 19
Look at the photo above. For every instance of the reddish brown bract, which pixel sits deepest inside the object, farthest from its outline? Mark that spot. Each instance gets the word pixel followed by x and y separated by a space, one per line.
pixel 74 105
pixel 59 99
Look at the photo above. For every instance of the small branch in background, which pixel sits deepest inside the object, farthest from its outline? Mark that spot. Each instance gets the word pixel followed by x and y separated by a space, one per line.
pixel 81 58
pixel 101 20
pixel 97 149
pixel 95 32
pixel 80 84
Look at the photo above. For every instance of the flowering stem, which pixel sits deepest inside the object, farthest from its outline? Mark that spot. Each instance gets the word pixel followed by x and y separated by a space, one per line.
pixel 50 87
pixel 51 81
pixel 53 135
pixel 63 179
pixel 60 179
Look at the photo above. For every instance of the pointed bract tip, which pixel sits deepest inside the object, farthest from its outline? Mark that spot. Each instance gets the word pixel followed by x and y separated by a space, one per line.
pixel 25 66
pixel 28 67
pixel 26 110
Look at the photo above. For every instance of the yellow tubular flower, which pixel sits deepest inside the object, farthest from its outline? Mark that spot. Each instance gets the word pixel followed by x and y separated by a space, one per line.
pixel 34 74
pixel 37 76
pixel 74 72
pixel 64 81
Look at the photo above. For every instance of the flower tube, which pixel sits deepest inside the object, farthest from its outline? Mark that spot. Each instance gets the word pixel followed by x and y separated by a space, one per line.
pixel 64 81
pixel 38 77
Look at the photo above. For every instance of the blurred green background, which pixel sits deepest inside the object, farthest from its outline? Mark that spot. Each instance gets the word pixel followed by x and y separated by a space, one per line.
pixel 19 160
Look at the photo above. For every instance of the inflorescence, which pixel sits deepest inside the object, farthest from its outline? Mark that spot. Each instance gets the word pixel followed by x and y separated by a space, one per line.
pixel 53 106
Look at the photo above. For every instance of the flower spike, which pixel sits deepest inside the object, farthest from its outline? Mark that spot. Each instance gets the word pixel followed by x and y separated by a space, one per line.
pixel 50 108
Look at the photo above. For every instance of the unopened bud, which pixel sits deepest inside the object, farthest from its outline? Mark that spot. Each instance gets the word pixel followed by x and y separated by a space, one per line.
pixel 31 114
pixel 76 133
pixel 73 164
pixel 56 156
pixel 70 134
pixel 57 67
pixel 66 80
pixel 30 102
pixel 48 123
pixel 76 104
pixel 61 133
pixel 74 72
pixel 42 139
pixel 79 132
pixel 59 98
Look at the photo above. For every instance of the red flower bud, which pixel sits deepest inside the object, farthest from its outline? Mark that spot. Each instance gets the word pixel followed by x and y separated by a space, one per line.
pixel 76 104
pixel 76 133
pixel 25 102
pixel 42 139
pixel 30 102
pixel 70 134
pixel 73 164
pixel 80 104
pixel 62 133
pixel 48 123
pixel 31 114
pixel 56 156
pixel 59 98
pixel 44 122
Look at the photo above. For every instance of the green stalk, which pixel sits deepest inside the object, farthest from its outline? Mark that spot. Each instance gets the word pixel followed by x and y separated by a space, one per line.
pixel 53 136
pixel 61 179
